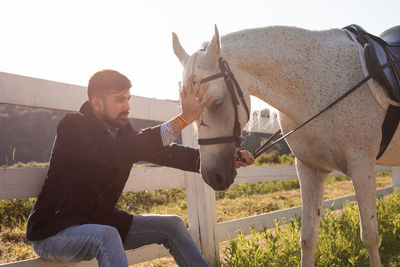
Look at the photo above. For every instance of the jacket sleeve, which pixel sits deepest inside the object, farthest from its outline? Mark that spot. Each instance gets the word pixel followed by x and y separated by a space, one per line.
pixel 178 156
pixel 77 142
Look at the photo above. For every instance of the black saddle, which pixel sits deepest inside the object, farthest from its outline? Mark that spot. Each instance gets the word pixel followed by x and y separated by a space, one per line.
pixel 379 51
pixel 392 36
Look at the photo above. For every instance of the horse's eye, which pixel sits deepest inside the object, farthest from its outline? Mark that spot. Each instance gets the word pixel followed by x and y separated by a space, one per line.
pixel 217 104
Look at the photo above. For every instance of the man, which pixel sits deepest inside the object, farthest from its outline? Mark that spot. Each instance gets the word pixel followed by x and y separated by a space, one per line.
pixel 74 217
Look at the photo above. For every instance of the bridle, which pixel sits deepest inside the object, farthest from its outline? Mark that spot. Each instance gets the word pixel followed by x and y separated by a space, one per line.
pixel 232 86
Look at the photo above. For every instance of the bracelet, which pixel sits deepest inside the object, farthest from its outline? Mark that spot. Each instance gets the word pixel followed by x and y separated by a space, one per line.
pixel 182 121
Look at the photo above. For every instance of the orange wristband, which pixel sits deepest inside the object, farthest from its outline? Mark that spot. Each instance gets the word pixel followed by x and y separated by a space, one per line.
pixel 182 121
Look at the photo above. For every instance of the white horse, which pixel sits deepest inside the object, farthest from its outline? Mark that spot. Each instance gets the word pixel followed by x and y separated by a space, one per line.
pixel 298 72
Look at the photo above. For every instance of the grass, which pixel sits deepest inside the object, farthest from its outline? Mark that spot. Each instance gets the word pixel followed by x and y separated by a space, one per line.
pixel 32 164
pixel 13 245
pixel 239 201
pixel 339 242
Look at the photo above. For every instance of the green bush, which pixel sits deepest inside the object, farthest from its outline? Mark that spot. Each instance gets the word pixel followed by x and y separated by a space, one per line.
pixel 142 201
pixel 273 158
pixel 31 164
pixel 14 213
pixel 259 188
pixel 278 248
pixel 339 242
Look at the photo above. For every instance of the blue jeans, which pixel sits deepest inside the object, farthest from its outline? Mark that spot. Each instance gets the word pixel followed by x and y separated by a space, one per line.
pixel 88 241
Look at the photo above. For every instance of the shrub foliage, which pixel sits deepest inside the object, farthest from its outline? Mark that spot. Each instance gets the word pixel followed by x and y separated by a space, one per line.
pixel 339 242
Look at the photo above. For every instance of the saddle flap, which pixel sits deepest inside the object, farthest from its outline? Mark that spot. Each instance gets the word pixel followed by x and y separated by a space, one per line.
pixel 377 55
pixel 377 52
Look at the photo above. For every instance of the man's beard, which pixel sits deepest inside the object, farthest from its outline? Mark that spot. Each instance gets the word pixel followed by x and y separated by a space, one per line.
pixel 118 122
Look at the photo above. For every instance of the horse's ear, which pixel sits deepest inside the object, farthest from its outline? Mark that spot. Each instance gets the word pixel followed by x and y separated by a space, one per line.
pixel 212 52
pixel 178 49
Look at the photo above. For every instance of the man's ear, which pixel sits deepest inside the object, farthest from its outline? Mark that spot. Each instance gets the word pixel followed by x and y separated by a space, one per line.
pixel 96 103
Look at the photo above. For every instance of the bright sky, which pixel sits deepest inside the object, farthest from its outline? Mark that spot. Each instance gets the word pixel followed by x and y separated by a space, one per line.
pixel 69 40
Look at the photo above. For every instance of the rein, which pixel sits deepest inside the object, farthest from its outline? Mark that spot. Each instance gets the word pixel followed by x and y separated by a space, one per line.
pixel 267 145
pixel 232 83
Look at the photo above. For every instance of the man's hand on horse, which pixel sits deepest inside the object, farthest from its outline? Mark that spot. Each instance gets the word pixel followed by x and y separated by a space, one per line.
pixel 193 99
pixel 248 159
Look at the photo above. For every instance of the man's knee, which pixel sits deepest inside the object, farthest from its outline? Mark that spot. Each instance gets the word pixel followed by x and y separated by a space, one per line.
pixel 107 233
pixel 175 223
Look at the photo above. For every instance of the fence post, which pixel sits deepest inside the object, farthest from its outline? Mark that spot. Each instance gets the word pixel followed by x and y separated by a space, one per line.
pixel 201 205
pixel 395 176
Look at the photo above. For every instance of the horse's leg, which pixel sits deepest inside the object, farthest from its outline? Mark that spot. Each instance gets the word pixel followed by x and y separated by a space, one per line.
pixel 312 183
pixel 362 173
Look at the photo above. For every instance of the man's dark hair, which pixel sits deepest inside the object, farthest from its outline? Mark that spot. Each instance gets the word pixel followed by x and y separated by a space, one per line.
pixel 105 81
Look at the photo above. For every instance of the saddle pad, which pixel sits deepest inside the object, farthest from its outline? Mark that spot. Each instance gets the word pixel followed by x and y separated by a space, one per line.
pixel 379 92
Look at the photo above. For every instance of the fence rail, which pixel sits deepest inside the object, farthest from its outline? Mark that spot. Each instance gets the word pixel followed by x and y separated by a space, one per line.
pixel 27 182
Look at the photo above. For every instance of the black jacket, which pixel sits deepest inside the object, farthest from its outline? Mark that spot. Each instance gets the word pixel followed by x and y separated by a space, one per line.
pixel 88 171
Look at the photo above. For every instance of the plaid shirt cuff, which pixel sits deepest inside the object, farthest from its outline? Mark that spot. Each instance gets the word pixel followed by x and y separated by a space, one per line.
pixel 167 133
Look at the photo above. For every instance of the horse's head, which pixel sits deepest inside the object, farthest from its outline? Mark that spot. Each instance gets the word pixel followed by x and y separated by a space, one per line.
pixel 224 116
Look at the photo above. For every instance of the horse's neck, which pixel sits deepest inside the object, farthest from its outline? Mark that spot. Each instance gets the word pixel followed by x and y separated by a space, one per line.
pixel 285 66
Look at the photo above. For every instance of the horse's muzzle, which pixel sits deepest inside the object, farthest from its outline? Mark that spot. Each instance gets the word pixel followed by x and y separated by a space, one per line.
pixel 219 179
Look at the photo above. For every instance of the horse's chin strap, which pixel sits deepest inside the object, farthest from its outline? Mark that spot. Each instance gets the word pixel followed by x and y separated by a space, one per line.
pixel 231 84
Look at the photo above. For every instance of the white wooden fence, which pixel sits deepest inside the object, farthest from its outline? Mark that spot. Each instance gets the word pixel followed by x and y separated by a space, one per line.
pixel 201 204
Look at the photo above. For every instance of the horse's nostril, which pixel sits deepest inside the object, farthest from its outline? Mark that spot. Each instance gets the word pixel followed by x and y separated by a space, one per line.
pixel 221 182
pixel 219 179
